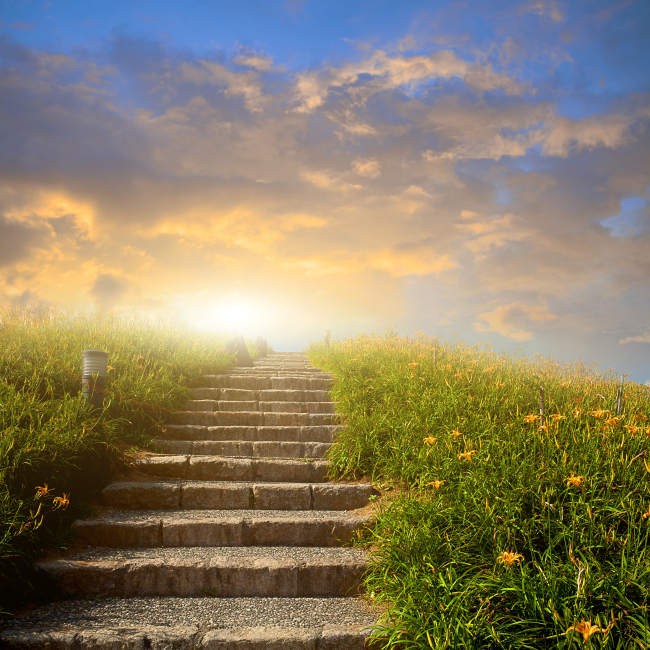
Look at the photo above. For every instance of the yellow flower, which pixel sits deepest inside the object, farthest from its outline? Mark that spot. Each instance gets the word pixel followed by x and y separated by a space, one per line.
pixel 576 412
pixel 456 433
pixel 632 429
pixel 42 491
pixel 448 366
pixel 509 558
pixel 576 481
pixel 488 370
pixel 437 484
pixel 430 440
pixel 586 629
pixel 557 417
pixel 543 428
pixel 62 501
pixel 640 417
pixel 612 422
pixel 599 413
pixel 413 365
pixel 467 455
pixel 531 419
pixel 499 384
pixel 647 514
pixel 109 368
pixel 412 375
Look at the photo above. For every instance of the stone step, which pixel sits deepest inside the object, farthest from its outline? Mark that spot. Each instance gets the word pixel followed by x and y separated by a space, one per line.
pixel 239 449
pixel 217 468
pixel 277 371
pixel 250 382
pixel 200 495
pixel 252 418
pixel 254 405
pixel 218 528
pixel 194 624
pixel 230 572
pixel 322 433
pixel 243 395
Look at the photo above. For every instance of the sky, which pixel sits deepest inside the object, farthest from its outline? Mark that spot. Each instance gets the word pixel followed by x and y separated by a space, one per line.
pixel 478 169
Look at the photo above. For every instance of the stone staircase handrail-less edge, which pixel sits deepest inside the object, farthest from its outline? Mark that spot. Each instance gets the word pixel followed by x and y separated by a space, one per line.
pixel 231 538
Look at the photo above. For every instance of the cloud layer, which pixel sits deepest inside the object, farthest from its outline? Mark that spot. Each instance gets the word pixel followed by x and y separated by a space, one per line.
pixel 439 186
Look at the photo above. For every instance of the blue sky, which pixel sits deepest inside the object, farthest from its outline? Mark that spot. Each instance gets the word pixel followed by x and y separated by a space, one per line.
pixel 288 167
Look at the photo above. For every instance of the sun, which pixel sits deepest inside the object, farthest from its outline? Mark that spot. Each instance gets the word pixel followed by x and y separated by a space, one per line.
pixel 236 314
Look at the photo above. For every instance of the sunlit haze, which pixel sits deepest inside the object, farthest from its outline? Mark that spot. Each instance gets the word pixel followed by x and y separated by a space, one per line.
pixel 283 168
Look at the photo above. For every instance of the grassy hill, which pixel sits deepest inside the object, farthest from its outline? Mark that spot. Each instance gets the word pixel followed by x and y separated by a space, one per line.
pixel 55 453
pixel 499 527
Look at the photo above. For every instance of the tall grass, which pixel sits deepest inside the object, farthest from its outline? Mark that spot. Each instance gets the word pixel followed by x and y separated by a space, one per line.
pixel 503 531
pixel 55 452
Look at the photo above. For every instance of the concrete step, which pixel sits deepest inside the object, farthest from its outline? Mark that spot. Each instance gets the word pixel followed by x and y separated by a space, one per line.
pixel 277 371
pixel 321 433
pixel 194 624
pixel 187 638
pixel 200 495
pixel 218 528
pixel 252 418
pixel 230 572
pixel 218 468
pixel 254 405
pixel 251 382
pixel 241 394
pixel 236 448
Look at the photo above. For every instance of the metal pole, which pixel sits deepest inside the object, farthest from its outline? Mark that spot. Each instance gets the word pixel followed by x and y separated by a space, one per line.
pixel 93 376
pixel 620 395
pixel 541 406
pixel 327 338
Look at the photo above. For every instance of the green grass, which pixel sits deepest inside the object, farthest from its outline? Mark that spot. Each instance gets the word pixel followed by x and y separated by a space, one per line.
pixel 502 533
pixel 55 453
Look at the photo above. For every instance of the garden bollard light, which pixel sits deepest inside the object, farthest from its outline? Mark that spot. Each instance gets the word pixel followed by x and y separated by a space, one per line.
pixel 93 376
pixel 327 338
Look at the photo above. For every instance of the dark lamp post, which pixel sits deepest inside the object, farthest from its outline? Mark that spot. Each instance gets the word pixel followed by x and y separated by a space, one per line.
pixel 93 376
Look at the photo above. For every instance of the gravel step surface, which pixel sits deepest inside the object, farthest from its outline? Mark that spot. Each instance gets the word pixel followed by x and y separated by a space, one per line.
pixel 204 613
pixel 296 553
pixel 172 515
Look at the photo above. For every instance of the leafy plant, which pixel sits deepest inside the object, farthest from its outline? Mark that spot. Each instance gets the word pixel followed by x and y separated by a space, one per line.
pixel 509 531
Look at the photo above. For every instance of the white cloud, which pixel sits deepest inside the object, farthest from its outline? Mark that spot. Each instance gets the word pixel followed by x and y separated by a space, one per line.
pixel 643 338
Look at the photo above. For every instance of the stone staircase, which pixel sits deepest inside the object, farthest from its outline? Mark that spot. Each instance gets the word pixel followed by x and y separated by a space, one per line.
pixel 231 538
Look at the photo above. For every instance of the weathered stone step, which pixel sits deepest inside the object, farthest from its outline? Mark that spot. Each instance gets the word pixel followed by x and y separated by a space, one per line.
pixel 247 449
pixel 194 624
pixel 187 638
pixel 175 530
pixel 277 371
pixel 321 433
pixel 279 571
pixel 252 418
pixel 243 395
pixel 200 495
pixel 251 382
pixel 254 405
pixel 217 468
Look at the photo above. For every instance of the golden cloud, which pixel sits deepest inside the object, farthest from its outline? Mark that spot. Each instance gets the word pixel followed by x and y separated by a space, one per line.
pixel 508 320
